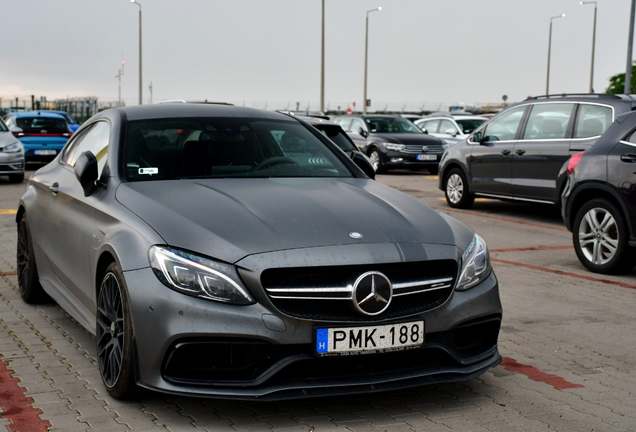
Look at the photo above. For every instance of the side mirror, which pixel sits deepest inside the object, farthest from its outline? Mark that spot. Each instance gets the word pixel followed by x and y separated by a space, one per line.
pixel 363 163
pixel 86 171
pixel 451 132
pixel 362 132
pixel 478 137
pixel 16 131
pixel 424 130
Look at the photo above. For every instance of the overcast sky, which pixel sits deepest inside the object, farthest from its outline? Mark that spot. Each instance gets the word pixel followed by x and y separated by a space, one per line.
pixel 421 52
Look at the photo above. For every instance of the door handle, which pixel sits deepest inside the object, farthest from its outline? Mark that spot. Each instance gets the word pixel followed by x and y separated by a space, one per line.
pixel 505 152
pixel 520 152
pixel 629 157
pixel 54 188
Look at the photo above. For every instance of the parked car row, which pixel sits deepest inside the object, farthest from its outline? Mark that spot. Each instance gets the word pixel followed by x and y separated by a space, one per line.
pixel 391 141
pixel 32 137
pixel 555 150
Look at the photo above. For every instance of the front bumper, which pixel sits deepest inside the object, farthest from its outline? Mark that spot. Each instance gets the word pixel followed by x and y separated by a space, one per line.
pixel 182 347
pixel 395 159
pixel 11 163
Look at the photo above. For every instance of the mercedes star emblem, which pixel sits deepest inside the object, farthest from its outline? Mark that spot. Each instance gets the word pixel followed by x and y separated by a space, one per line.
pixel 372 293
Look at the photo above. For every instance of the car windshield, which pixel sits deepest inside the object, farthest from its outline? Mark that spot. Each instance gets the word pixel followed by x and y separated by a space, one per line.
pixel 469 125
pixel 226 147
pixel 391 125
pixel 42 124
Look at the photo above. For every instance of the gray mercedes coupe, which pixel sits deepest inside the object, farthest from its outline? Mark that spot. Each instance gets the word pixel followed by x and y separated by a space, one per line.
pixel 229 252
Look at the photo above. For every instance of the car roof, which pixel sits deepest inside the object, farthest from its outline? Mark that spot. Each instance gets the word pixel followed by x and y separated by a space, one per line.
pixel 609 99
pixel 172 110
pixel 37 114
pixel 461 117
pixel 376 115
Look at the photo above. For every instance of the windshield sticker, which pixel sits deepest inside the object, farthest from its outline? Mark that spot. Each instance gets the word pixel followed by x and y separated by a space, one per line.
pixel 149 171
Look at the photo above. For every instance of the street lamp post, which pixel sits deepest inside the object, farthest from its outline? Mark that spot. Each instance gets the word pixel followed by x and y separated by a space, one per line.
pixel 547 81
pixel 140 62
pixel 630 45
pixel 366 53
pixel 593 45
pixel 322 61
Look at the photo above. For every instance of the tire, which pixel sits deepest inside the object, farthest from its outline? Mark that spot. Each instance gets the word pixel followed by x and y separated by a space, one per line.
pixel 28 280
pixel 115 335
pixel 376 161
pixel 16 178
pixel 601 238
pixel 456 190
pixel 434 171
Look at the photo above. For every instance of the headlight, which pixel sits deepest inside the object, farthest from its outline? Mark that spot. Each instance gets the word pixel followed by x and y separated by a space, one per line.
pixel 13 148
pixel 475 264
pixel 197 276
pixel 393 146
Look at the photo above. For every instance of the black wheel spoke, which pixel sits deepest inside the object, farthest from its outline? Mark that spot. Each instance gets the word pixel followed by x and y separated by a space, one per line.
pixel 110 330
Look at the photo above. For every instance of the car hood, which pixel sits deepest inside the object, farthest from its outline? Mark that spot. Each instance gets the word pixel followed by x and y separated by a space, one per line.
pixel 407 138
pixel 229 219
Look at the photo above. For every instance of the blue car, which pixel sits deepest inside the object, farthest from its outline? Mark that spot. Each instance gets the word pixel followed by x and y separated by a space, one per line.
pixel 72 123
pixel 42 134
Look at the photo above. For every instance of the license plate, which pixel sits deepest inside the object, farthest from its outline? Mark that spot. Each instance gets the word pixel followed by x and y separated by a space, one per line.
pixel 426 157
pixel 369 339
pixel 45 152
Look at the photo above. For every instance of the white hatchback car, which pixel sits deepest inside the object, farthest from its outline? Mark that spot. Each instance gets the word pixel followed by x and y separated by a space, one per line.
pixel 452 128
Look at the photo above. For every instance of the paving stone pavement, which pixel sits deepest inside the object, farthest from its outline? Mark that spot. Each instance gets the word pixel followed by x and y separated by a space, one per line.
pixel 580 330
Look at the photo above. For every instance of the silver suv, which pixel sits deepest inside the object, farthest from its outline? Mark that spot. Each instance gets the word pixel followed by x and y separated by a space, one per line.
pixel 452 128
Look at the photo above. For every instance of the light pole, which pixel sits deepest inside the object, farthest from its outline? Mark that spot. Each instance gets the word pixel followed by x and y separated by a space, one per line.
pixel 322 61
pixel 593 45
pixel 120 73
pixel 547 81
pixel 630 45
pixel 140 63
pixel 366 53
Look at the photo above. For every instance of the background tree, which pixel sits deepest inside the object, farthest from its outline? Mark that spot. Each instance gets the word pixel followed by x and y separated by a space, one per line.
pixel 617 82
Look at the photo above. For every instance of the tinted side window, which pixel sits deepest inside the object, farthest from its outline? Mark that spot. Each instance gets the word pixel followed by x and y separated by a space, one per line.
pixel 96 141
pixel 356 123
pixel 504 126
pixel 548 121
pixel 344 123
pixel 431 126
pixel 592 120
pixel 447 125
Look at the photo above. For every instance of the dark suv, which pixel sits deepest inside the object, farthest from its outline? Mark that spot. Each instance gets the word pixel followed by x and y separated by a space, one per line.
pixel 519 153
pixel 393 142
pixel 599 200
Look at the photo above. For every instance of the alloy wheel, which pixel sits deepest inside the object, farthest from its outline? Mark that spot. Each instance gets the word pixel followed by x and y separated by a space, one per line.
pixel 454 188
pixel 598 236
pixel 110 330
pixel 23 261
pixel 375 160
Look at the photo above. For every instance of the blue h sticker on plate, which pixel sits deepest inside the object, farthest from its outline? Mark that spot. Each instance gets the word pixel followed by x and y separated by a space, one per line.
pixel 322 340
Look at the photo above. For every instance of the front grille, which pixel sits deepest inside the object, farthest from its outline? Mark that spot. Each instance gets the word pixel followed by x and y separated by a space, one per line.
pixel 434 149
pixel 325 293
pixel 208 363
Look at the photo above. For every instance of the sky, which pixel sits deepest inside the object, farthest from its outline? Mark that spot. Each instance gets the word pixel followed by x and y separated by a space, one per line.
pixel 423 54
